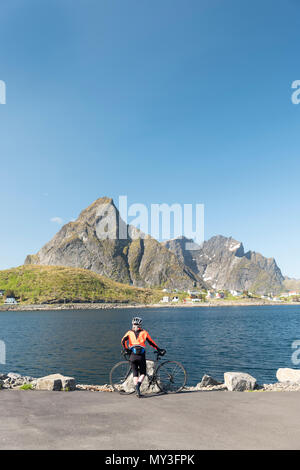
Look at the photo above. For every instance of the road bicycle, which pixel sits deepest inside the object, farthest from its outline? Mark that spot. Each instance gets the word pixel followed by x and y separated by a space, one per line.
pixel 166 376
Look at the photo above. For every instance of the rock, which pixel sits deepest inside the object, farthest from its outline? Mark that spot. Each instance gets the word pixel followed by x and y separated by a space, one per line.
pixel 288 375
pixel 1 384
pixel 208 381
pixel 68 383
pixel 239 381
pixel 13 376
pixel 128 384
pixel 55 382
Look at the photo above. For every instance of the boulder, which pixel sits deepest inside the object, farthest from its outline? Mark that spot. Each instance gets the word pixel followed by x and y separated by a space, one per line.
pixel 208 381
pixel 128 385
pixel 55 382
pixel 14 376
pixel 239 381
pixel 288 375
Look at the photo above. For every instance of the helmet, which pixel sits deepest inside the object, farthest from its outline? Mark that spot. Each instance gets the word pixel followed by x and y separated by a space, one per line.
pixel 137 321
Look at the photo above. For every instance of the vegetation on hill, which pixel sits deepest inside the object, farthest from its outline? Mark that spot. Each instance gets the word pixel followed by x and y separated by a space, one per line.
pixel 291 284
pixel 35 284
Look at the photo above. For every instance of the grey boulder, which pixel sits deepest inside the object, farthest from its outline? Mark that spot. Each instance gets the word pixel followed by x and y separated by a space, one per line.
pixel 239 381
pixel 288 375
pixel 208 381
pixel 56 382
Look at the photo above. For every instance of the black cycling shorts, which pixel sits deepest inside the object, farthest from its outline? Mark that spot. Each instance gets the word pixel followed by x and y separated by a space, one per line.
pixel 138 364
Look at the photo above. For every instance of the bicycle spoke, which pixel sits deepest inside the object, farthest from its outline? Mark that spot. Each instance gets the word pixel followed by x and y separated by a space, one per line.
pixel 171 376
pixel 121 378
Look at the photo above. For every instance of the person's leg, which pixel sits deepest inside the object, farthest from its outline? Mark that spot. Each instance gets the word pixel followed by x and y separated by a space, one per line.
pixel 142 368
pixel 135 373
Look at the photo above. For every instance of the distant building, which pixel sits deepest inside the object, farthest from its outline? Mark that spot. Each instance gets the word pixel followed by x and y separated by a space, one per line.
pixel 175 299
pixel 220 295
pixel 235 293
pixel 193 292
pixel 2 292
pixel 165 299
pixel 210 295
pixel 10 300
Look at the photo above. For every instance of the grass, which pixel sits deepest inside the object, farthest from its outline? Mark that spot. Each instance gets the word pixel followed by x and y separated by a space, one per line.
pixel 35 284
pixel 26 387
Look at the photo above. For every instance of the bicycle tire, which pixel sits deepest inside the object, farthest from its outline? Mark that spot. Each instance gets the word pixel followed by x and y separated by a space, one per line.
pixel 165 379
pixel 118 377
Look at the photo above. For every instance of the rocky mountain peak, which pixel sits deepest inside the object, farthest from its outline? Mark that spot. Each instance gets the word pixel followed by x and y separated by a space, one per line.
pixel 100 241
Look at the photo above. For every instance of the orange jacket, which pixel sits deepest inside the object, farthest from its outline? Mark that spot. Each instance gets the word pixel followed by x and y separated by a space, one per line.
pixel 137 338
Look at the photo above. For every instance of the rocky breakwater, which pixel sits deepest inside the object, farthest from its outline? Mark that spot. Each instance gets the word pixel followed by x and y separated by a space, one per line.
pixel 54 382
pixel 288 380
pixel 12 380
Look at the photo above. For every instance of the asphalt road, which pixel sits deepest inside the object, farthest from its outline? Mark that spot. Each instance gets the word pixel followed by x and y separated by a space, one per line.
pixel 196 420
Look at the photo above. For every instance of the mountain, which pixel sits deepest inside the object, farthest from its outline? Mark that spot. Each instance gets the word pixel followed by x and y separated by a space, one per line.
pixel 290 283
pixel 223 263
pixel 53 284
pixel 92 242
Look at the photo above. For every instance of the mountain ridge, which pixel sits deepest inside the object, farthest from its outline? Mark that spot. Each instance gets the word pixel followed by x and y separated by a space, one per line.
pixel 92 242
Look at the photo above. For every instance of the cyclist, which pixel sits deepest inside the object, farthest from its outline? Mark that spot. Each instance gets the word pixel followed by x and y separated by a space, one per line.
pixel 136 339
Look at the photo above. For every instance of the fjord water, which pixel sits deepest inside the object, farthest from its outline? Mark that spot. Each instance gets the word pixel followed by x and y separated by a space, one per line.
pixel 86 343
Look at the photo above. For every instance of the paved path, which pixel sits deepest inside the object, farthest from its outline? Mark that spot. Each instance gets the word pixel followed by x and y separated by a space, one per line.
pixel 199 420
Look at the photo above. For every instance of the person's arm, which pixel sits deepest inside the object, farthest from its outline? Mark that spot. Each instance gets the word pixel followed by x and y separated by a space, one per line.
pixel 151 342
pixel 124 341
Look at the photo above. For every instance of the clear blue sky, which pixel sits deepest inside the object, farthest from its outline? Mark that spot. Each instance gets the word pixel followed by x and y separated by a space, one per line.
pixel 164 101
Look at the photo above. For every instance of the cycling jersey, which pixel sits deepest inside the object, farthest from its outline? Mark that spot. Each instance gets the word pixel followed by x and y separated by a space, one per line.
pixel 138 338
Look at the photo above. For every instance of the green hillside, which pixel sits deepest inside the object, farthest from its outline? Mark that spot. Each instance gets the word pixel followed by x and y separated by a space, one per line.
pixel 34 284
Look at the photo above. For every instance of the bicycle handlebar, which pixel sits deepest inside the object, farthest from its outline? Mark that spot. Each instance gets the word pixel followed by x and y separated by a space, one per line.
pixel 158 353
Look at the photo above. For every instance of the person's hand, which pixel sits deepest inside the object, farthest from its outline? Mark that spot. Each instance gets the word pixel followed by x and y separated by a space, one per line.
pixel 162 351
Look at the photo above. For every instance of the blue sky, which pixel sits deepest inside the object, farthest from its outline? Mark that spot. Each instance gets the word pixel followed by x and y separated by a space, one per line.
pixel 163 101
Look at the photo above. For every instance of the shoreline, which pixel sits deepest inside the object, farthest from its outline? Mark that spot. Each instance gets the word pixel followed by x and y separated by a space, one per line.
pixel 106 306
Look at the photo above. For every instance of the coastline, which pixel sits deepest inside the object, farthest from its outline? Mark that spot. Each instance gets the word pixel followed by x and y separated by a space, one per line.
pixel 106 306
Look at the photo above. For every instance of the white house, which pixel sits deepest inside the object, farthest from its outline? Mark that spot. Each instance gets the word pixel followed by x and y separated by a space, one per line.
pixel 10 300
pixel 165 299
pixel 235 293
pixel 175 299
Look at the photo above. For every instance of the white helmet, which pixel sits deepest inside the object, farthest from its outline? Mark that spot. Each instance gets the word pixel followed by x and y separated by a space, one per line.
pixel 137 321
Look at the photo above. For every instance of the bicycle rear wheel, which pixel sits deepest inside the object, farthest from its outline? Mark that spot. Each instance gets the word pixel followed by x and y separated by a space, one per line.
pixel 121 378
pixel 171 376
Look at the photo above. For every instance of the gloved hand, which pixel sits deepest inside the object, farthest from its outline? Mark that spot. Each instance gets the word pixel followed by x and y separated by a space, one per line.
pixel 162 351
pixel 128 351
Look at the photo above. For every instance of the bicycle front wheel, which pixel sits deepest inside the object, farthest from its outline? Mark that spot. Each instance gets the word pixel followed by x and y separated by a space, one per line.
pixel 171 376
pixel 121 378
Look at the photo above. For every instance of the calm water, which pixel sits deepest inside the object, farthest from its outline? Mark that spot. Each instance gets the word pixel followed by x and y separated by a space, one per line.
pixel 85 344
